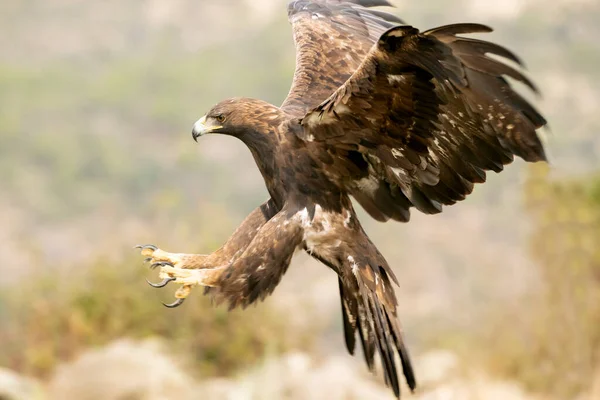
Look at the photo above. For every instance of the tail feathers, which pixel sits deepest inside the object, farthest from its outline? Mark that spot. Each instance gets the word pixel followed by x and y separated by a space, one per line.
pixel 349 307
pixel 369 306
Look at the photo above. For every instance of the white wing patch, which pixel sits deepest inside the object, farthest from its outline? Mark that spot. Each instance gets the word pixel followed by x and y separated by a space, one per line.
pixel 353 265
pixel 397 33
pixel 400 174
pixel 324 118
pixel 392 79
pixel 342 109
pixel 348 219
pixel 303 217
pixel 397 153
pixel 368 185
pixel 322 233
pixel 316 118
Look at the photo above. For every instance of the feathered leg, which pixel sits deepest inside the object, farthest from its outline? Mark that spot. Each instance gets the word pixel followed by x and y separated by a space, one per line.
pixel 235 245
pixel 246 273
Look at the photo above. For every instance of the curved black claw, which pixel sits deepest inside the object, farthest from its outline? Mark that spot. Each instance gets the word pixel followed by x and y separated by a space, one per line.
pixel 175 304
pixel 146 246
pixel 162 284
pixel 161 264
pixel 147 260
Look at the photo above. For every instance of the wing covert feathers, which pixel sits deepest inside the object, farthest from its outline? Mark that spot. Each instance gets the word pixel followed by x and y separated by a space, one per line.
pixel 332 38
pixel 424 117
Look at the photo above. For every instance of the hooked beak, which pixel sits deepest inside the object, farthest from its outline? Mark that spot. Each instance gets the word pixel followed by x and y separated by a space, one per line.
pixel 201 128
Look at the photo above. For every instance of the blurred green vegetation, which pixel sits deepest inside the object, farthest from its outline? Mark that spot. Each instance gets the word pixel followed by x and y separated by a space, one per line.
pixel 550 339
pixel 56 316
pixel 110 132
pixel 118 130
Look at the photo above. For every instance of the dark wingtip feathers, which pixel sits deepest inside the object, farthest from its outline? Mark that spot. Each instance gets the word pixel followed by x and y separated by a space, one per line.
pixel 364 3
pixel 387 16
pixel 457 29
pixel 373 3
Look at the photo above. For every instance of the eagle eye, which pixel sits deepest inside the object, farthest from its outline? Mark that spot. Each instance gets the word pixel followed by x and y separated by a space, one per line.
pixel 220 118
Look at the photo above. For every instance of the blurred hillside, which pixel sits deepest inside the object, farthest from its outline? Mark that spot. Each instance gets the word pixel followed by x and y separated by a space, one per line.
pixel 97 102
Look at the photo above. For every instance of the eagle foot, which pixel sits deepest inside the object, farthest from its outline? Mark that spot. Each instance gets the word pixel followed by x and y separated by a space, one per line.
pixel 172 269
pixel 159 258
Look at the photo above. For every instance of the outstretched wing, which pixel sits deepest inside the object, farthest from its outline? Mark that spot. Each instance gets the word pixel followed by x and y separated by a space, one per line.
pixel 422 119
pixel 332 38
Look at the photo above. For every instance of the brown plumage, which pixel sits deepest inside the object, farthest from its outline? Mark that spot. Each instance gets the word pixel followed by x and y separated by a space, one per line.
pixel 392 116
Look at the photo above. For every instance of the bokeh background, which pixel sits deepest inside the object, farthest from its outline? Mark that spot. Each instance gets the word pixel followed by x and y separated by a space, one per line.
pixel 499 296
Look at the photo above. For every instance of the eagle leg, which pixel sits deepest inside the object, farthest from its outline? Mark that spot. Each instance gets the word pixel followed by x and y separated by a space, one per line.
pixel 190 270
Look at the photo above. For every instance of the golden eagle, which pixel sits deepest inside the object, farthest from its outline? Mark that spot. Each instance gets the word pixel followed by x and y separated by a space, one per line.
pixel 378 111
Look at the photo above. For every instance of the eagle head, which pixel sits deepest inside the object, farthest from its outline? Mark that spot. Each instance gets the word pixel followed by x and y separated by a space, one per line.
pixel 244 118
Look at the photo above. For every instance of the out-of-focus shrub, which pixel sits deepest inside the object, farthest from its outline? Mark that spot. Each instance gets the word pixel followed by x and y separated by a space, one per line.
pixel 54 317
pixel 550 340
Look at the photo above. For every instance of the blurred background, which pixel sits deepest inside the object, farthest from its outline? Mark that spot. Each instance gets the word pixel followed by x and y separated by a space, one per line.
pixel 499 296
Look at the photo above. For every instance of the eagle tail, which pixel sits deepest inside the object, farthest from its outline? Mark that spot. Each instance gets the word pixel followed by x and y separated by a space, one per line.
pixel 369 305
pixel 349 312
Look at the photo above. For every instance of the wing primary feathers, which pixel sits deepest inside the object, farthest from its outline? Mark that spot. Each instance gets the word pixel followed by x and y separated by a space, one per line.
pixel 456 29
pixel 466 45
pixel 377 20
pixel 386 16
pixel 528 110
pixel 421 201
pixel 372 3
pixel 496 68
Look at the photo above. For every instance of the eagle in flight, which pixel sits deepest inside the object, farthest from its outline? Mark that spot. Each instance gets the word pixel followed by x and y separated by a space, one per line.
pixel 378 111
